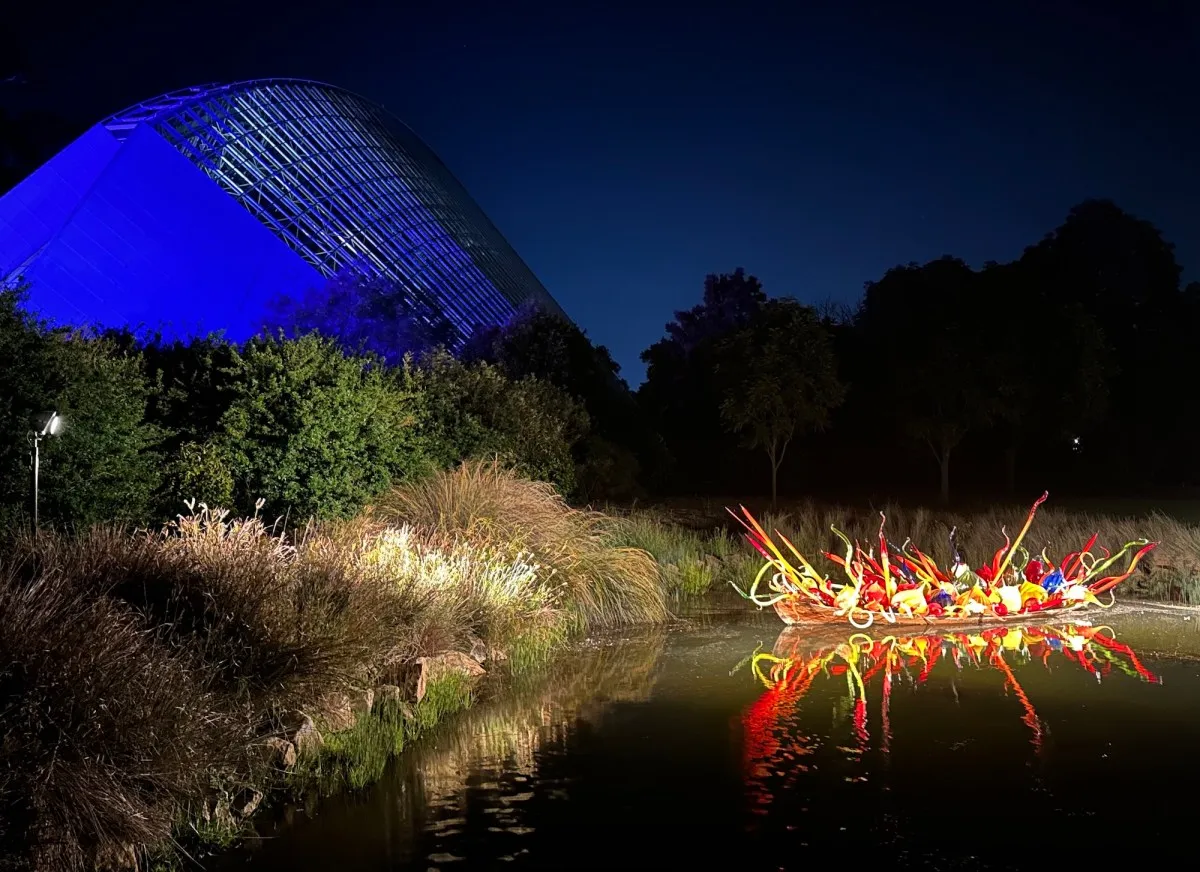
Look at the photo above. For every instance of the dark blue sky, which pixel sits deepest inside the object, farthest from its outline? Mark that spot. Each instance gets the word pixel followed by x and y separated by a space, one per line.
pixel 627 149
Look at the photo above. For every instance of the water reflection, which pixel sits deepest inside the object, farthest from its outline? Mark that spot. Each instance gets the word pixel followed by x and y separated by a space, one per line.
pixel 776 745
pixel 976 749
pixel 496 751
pixel 472 783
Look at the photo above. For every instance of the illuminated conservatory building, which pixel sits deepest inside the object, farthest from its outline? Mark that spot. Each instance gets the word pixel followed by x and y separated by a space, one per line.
pixel 192 212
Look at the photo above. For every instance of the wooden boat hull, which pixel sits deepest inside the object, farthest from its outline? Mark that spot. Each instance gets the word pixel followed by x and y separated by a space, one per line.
pixel 799 611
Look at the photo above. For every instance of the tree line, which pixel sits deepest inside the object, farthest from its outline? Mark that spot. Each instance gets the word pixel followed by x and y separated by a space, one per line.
pixel 1070 364
pixel 1067 366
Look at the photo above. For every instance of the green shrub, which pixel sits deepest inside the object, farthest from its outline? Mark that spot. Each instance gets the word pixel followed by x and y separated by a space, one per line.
pixel 24 354
pixel 473 412
pixel 313 431
pixel 105 463
pixel 200 471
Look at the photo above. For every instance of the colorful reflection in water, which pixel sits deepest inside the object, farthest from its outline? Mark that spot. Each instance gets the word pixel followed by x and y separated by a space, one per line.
pixel 912 751
pixel 773 745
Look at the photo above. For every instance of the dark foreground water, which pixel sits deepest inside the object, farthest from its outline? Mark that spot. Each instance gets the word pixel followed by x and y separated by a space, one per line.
pixel 1032 748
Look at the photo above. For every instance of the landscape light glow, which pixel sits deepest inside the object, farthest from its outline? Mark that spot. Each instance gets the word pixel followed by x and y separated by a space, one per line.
pixel 50 428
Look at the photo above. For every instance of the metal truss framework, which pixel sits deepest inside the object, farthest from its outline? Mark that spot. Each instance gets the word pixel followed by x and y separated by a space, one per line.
pixel 348 187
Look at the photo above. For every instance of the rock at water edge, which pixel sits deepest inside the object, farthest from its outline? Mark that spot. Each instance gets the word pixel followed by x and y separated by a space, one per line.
pixel 449 663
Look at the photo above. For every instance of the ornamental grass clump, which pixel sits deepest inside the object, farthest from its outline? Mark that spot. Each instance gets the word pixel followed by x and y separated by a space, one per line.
pixel 599 583
pixel 105 734
pixel 458 589
pixel 687 559
pixel 277 626
pixel 142 672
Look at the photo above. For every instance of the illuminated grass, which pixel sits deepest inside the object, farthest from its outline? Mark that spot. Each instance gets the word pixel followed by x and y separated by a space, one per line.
pixel 601 582
pixel 683 555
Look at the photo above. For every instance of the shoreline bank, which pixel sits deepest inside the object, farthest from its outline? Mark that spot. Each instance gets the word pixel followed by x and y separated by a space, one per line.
pixel 202 673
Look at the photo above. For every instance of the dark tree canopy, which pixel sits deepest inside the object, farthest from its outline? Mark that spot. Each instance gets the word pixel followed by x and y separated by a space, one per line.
pixel 778 379
pixel 681 395
pixel 1065 366
pixel 370 316
pixel 544 345
pixel 1116 267
pixel 729 301
pixel 1052 368
pixel 936 357
pixel 1106 267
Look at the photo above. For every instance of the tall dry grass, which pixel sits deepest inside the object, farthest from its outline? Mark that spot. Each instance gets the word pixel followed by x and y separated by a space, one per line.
pixel 688 560
pixel 483 502
pixel 277 627
pixel 142 671
pixel 461 589
pixel 104 734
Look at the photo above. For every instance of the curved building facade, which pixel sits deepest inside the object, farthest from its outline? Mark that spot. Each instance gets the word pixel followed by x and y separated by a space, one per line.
pixel 192 211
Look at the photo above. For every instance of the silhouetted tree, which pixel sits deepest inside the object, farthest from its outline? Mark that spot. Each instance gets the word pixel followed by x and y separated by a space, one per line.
pixel 545 345
pixel 681 394
pixel 935 355
pixel 779 379
pixel 1120 271
pixel 1116 266
pixel 1052 367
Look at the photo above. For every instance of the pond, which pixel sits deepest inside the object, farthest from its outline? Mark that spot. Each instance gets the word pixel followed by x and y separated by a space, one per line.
pixel 725 741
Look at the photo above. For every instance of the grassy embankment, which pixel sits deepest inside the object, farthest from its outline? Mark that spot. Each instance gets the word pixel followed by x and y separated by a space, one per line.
pixel 155 686
pixel 698 546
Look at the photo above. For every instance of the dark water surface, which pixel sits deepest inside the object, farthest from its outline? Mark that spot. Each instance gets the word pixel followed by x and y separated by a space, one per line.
pixel 1054 745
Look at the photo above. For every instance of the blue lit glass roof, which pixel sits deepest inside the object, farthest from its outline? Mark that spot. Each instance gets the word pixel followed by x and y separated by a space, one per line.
pixel 348 187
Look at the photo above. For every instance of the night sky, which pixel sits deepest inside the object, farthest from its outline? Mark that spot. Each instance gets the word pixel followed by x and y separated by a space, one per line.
pixel 627 149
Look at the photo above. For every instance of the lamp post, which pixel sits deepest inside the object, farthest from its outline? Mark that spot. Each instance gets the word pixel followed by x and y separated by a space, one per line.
pixel 50 428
